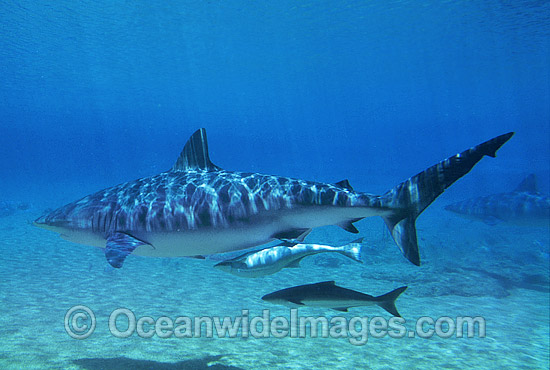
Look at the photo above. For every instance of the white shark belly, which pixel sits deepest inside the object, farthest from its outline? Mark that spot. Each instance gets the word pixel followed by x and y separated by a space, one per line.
pixel 202 242
pixel 220 240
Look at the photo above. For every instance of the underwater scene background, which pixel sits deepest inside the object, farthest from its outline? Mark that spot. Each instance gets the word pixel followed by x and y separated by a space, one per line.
pixel 96 93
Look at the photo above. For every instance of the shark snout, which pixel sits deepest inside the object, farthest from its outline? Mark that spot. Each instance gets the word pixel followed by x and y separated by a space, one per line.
pixel 46 222
pixel 40 221
pixel 266 298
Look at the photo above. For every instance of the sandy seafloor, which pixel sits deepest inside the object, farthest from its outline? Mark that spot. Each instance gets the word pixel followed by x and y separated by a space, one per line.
pixel 469 269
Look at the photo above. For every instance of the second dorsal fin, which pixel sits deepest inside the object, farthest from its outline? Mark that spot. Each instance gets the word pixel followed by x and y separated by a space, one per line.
pixel 344 184
pixel 194 155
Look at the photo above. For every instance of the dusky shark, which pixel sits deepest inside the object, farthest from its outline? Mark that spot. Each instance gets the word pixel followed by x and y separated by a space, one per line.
pixel 523 206
pixel 329 295
pixel 271 260
pixel 197 208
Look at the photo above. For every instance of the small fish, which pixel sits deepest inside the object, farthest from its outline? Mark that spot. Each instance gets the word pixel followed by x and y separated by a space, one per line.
pixel 329 295
pixel 271 260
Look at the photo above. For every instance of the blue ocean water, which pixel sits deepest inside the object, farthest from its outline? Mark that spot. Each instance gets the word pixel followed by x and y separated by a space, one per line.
pixel 93 94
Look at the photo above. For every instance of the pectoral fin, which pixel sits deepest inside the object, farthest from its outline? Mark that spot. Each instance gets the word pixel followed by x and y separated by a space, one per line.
pixel 119 246
pixel 296 302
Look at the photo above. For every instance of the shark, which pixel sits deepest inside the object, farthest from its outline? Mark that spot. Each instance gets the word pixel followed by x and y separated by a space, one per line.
pixel 197 208
pixel 8 208
pixel 329 295
pixel 524 206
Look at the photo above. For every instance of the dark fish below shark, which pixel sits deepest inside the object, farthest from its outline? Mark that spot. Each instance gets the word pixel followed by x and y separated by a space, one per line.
pixel 197 208
pixel 329 295
pixel 523 206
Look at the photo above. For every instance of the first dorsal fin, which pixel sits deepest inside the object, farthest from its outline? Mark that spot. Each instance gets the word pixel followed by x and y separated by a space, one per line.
pixel 194 155
pixel 345 184
pixel 528 185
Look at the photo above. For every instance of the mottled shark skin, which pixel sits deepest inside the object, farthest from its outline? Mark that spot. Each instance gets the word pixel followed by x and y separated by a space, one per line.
pixel 197 208
pixel 524 206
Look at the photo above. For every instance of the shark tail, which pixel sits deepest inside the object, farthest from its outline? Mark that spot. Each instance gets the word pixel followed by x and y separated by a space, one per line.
pixel 353 250
pixel 387 301
pixel 412 196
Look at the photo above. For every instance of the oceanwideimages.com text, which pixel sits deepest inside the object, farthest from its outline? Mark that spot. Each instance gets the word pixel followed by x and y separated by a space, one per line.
pixel 80 323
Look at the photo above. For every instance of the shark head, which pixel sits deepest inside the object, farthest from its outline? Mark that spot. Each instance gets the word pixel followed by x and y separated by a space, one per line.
pixel 283 298
pixel 48 222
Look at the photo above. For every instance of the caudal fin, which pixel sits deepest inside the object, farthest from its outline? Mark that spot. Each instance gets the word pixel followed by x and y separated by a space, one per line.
pixel 353 250
pixel 387 301
pixel 412 196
